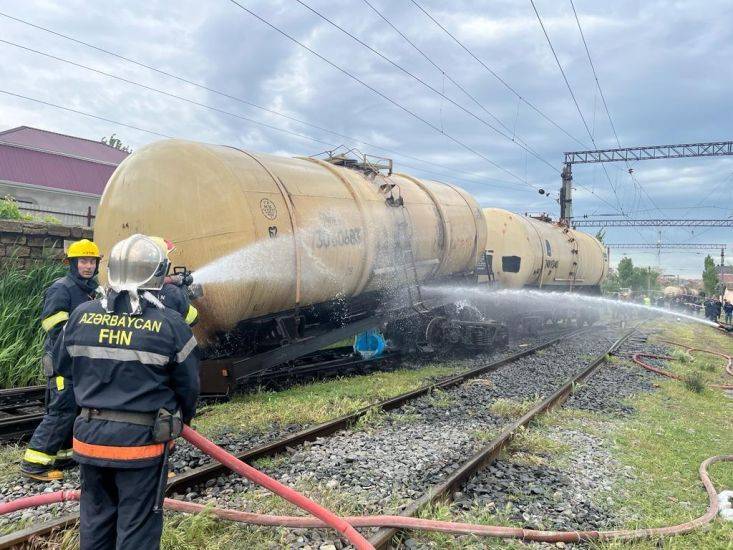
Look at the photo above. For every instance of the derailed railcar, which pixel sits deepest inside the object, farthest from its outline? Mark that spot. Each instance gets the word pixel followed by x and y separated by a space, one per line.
pixel 536 253
pixel 294 253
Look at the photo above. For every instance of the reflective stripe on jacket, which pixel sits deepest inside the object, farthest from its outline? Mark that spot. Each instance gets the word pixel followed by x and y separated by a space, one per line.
pixel 122 362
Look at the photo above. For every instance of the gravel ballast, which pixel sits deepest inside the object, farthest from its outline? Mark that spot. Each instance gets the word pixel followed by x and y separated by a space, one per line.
pixel 388 462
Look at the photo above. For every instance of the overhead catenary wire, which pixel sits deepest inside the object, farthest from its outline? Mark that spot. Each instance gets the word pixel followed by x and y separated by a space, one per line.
pixel 575 101
pixel 165 135
pixel 605 105
pixel 498 77
pixel 163 92
pixel 463 89
pixel 434 64
pixel 519 96
pixel 83 113
pixel 470 113
pixel 241 100
pixel 451 175
pixel 381 94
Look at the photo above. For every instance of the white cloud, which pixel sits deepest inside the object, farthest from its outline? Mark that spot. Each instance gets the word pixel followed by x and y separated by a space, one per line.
pixel 661 65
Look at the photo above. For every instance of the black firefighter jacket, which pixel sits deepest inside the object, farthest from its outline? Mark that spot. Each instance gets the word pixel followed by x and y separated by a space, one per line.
pixel 60 300
pixel 132 363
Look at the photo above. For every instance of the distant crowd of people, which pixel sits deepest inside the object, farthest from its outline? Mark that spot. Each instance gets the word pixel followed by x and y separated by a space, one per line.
pixel 714 308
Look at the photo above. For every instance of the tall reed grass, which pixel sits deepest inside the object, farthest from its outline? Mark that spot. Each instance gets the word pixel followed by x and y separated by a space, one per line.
pixel 21 336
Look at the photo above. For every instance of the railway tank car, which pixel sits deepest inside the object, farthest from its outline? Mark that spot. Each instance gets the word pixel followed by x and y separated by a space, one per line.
pixel 280 244
pixel 530 252
pixel 535 253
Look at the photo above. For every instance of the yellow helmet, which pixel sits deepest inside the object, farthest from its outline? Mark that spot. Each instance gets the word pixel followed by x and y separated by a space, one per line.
pixel 83 249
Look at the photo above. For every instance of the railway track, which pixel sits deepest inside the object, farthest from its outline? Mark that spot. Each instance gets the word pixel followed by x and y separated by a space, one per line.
pixel 485 456
pixel 182 482
pixel 21 409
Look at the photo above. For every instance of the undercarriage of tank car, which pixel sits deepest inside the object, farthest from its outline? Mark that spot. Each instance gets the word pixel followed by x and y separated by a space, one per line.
pixel 409 324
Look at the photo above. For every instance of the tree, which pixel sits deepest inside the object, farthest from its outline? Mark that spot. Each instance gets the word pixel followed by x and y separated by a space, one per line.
pixel 710 276
pixel 637 278
pixel 626 273
pixel 114 141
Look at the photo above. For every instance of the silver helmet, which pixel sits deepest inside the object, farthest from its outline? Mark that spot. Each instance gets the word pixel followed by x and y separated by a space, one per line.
pixel 137 263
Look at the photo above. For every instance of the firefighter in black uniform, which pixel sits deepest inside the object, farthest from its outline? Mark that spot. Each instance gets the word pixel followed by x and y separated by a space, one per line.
pixel 174 294
pixel 134 368
pixel 49 450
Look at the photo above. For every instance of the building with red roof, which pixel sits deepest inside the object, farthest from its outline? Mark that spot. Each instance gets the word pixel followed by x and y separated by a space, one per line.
pixel 56 174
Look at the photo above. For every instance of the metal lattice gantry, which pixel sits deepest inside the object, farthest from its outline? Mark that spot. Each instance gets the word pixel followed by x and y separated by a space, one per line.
pixel 626 154
pixel 651 152
pixel 676 246
pixel 623 222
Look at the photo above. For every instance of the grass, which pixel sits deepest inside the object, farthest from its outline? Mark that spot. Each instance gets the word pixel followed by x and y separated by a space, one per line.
pixel 311 403
pixel 203 531
pixel 441 399
pixel 681 355
pixel 510 408
pixel 694 382
pixel 533 441
pixel 374 418
pixel 21 336
pixel 9 210
pixel 673 431
pixel 10 456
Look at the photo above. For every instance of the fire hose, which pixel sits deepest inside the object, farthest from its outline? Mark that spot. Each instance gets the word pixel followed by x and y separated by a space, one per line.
pixel 346 525
pixel 637 358
pixel 728 358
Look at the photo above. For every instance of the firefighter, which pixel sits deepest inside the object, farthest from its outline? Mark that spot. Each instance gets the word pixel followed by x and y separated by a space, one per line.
pixel 49 450
pixel 173 294
pixel 134 368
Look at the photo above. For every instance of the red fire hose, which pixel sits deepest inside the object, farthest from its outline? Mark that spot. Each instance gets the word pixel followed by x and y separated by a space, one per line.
pixel 421 524
pixel 403 522
pixel 236 465
pixel 637 359
pixel 326 517
pixel 38 500
pixel 728 358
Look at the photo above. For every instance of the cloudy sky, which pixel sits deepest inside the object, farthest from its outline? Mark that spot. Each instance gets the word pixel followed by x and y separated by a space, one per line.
pixel 663 67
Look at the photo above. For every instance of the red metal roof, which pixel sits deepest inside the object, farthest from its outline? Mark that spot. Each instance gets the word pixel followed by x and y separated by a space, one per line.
pixel 61 143
pixel 27 166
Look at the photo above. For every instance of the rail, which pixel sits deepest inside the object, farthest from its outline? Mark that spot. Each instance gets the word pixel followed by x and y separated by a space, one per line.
pixel 203 474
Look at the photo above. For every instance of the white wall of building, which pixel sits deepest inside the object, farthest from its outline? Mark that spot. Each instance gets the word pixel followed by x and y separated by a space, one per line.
pixel 32 198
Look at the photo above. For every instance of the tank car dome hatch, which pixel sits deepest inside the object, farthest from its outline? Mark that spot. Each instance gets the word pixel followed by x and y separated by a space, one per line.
pixel 273 233
pixel 529 252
